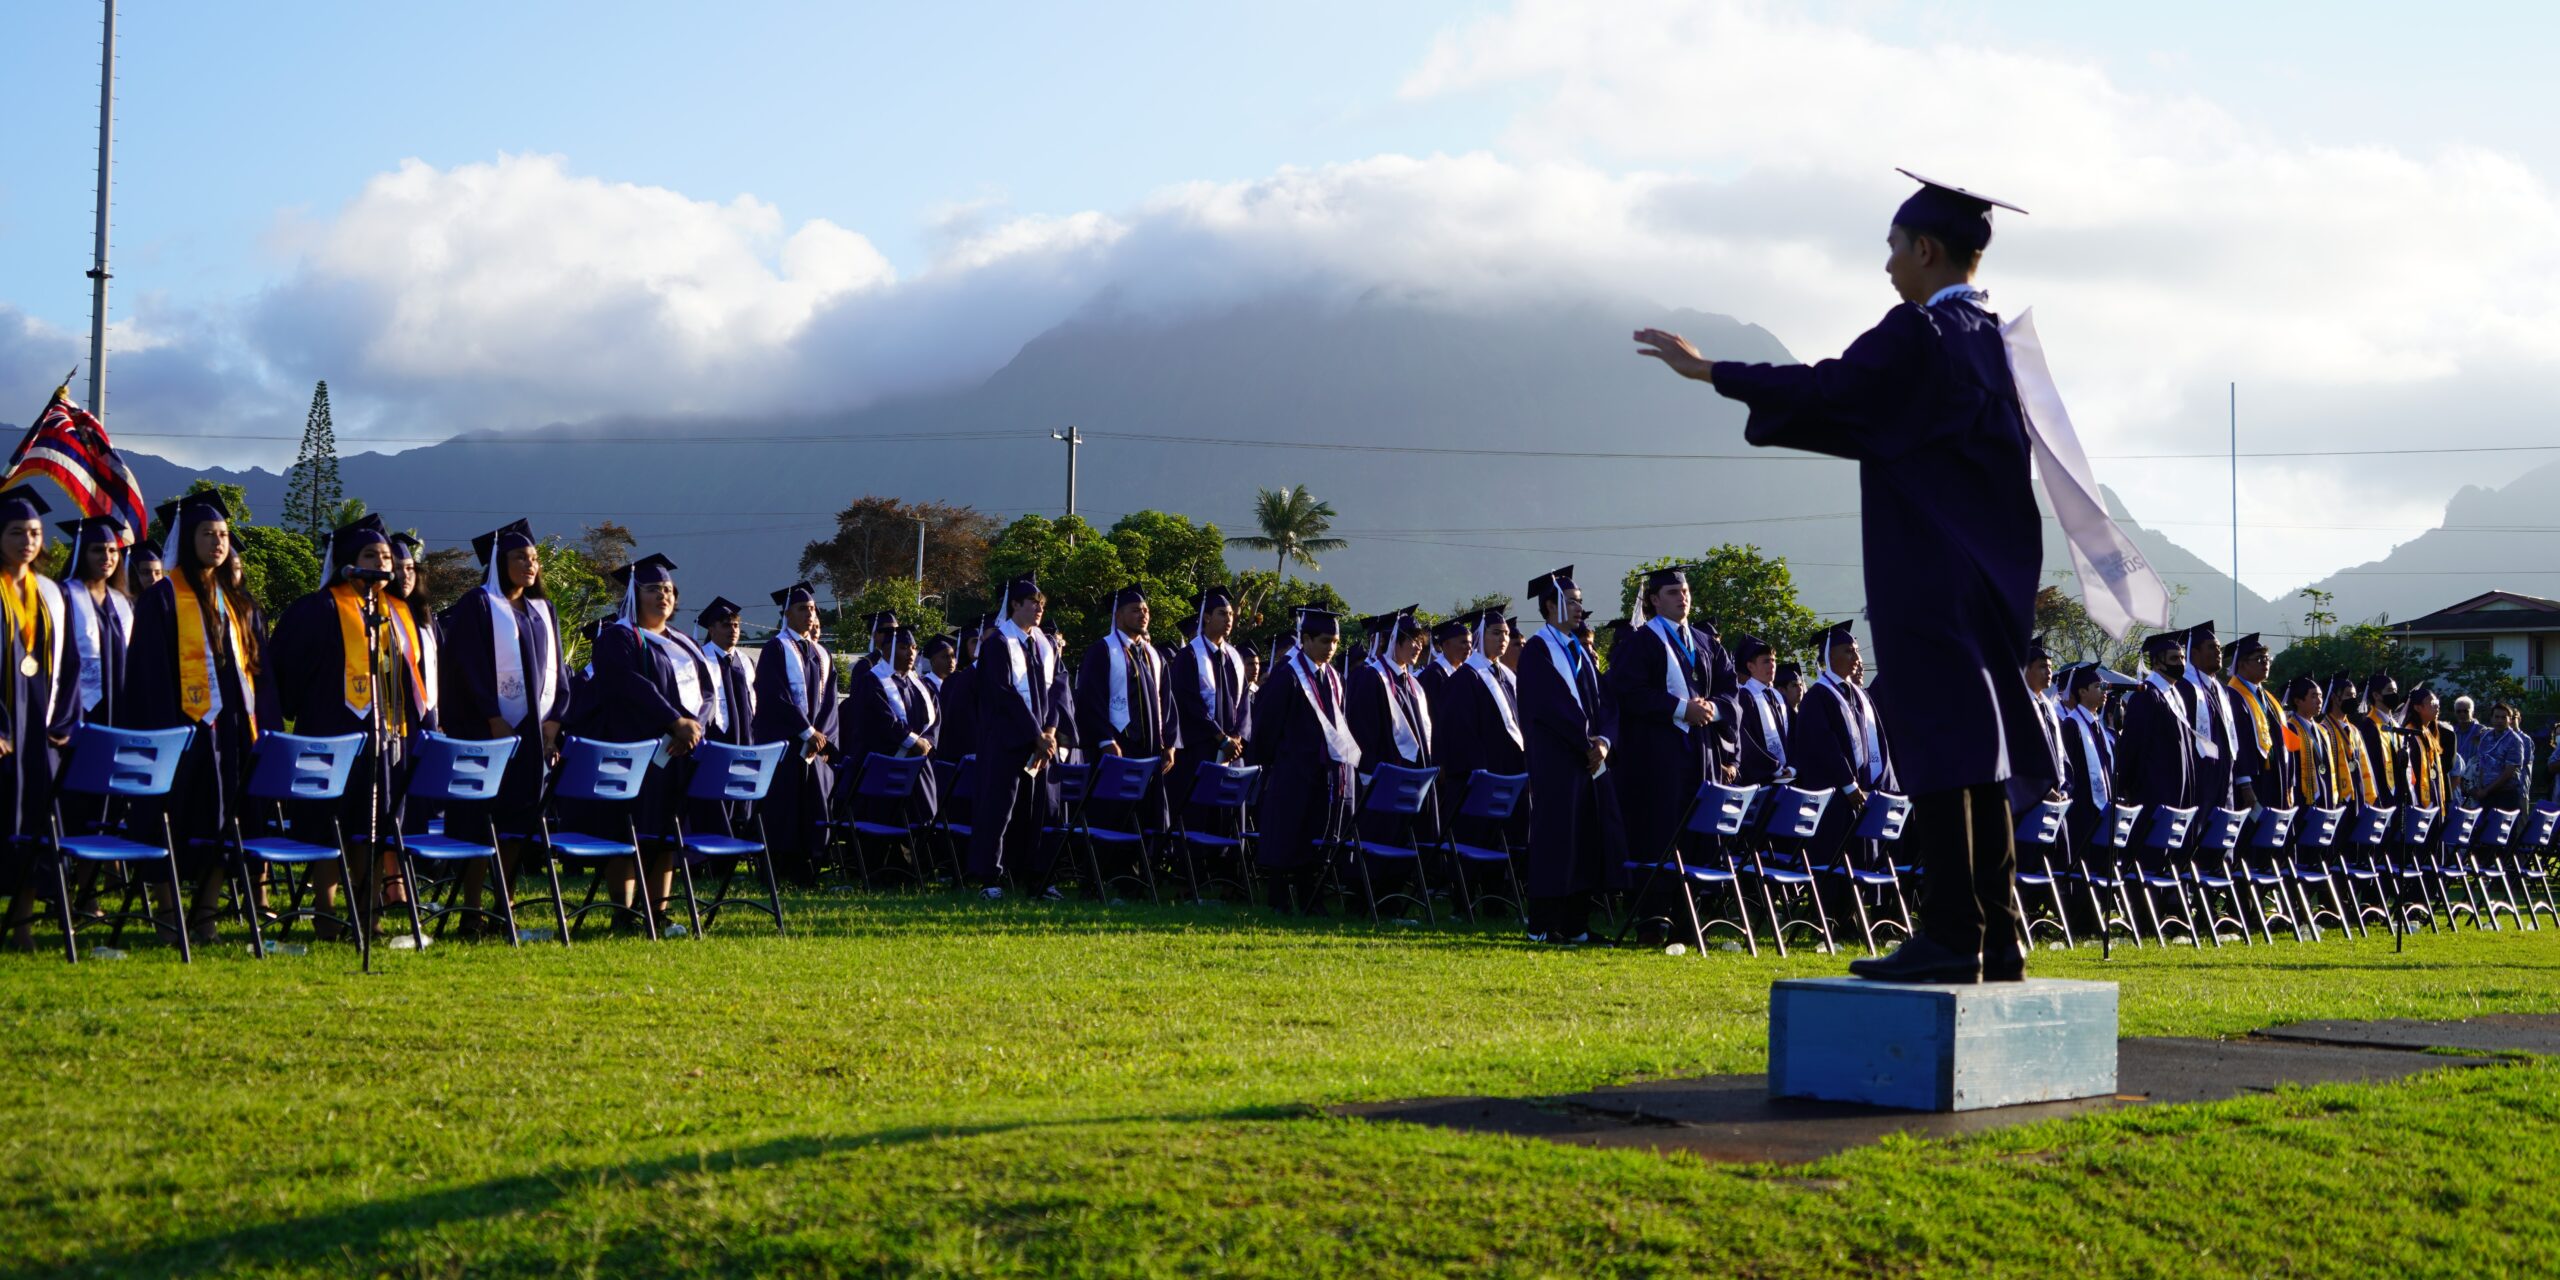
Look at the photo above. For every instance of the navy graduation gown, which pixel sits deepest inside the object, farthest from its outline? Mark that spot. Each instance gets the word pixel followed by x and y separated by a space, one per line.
pixel 2091 796
pixel 468 686
pixel 1659 759
pixel 1010 806
pixel 2265 767
pixel 636 699
pixel 1828 739
pixel 2212 772
pixel 1153 729
pixel 1376 700
pixel 1576 842
pixel 2040 771
pixel 207 791
pixel 34 710
pixel 803 788
pixel 1925 404
pixel 306 666
pixel 2155 756
pixel 1764 720
pixel 1303 787
pixel 879 716
pixel 113 634
pixel 958 698
pixel 1207 720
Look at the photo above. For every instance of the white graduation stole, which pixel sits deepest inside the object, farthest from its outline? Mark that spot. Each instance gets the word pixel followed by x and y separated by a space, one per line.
pixel 1339 746
pixel 1408 743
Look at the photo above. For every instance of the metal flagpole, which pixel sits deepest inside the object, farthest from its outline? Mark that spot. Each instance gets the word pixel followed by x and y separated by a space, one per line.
pixel 2235 508
pixel 98 267
pixel 919 556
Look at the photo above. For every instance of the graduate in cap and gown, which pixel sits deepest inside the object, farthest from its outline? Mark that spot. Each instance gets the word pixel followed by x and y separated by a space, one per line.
pixel 1488 704
pixel 2156 760
pixel 1122 706
pixel 957 697
pixel 2426 747
pixel 1927 405
pixel 2088 751
pixel 732 716
pixel 651 681
pixel 1678 709
pixel 1017 690
pixel 796 703
pixel 2209 711
pixel 1790 684
pixel 505 675
pixel 1839 742
pixel 1766 718
pixel 39 702
pixel 2377 721
pixel 345 659
pixel 941 657
pixel 1209 689
pixel 2348 758
pixel 198 638
pixel 2038 777
pixel 1391 717
pixel 2315 775
pixel 144 567
pixel 891 712
pixel 418 633
pixel 2260 764
pixel 1310 762
pixel 1569 720
pixel 97 614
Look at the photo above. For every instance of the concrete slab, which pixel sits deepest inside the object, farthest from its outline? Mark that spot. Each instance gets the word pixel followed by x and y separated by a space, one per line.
pixel 2489 1033
pixel 1732 1119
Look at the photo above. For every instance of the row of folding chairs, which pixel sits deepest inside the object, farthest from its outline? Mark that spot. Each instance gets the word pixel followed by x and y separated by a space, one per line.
pixel 2167 873
pixel 289 826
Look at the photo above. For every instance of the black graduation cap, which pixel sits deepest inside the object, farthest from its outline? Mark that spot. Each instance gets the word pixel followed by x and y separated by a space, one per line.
pixel 1315 621
pixel 720 610
pixel 881 620
pixel 1837 633
pixel 406 545
pixel 1376 623
pixel 89 529
pixel 143 550
pixel 2200 633
pixel 1211 597
pixel 1789 673
pixel 1555 583
pixel 2298 686
pixel 501 540
pixel 349 540
pixel 2373 683
pixel 1675 575
pixel 2160 642
pixel 593 628
pixel 1404 622
pixel 2081 677
pixel 204 505
pixel 796 593
pixel 1281 644
pixel 1022 588
pixel 2426 689
pixel 652 567
pixel 2342 690
pixel 2036 649
pixel 1747 647
pixel 1959 217
pixel 1448 629
pixel 2246 645
pixel 1134 593
pixel 23 503
pixel 942 643
pixel 1188 625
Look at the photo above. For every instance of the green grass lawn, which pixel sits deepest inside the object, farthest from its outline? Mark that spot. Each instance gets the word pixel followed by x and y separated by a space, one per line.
pixel 916 1085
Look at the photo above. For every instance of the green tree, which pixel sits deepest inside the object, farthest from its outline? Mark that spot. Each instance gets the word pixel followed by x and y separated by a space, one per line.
pixel 311 493
pixel 577 593
pixel 2359 650
pixel 1272 600
pixel 277 566
pixel 875 538
pixel 1740 590
pixel 1078 567
pixel 1294 527
pixel 903 596
pixel 2322 613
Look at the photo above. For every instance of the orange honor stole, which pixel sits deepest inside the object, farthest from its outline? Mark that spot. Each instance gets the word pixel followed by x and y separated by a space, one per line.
pixel 195 656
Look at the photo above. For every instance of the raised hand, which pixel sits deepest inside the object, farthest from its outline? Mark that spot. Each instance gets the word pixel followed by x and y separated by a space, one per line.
pixel 1675 351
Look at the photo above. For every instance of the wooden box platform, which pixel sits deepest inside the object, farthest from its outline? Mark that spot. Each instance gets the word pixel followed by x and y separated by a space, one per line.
pixel 1925 1047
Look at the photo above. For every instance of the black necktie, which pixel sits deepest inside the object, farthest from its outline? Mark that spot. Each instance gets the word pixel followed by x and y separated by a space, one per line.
pixel 1226 708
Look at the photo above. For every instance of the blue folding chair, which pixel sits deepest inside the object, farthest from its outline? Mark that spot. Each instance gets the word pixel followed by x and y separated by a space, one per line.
pixel 2409 852
pixel 1492 798
pixel 1117 784
pixel 310 773
pixel 2316 861
pixel 2101 870
pixel 728 776
pixel 2040 831
pixel 458 776
pixel 2156 869
pixel 2366 834
pixel 2260 868
pixel 1716 813
pixel 955 815
pixel 2441 858
pixel 2527 855
pixel 601 773
pixel 1400 794
pixel 888 783
pixel 2216 839
pixel 1221 791
pixel 2491 870
pixel 1880 827
pixel 1075 781
pixel 113 765
pixel 1783 868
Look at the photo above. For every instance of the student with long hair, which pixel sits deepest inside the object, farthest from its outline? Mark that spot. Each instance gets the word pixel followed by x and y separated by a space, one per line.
pixel 195 659
pixel 97 614
pixel 38 684
pixel 651 681
pixel 505 675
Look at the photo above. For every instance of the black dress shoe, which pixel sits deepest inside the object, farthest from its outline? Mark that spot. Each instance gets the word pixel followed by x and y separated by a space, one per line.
pixel 2010 966
pixel 1920 960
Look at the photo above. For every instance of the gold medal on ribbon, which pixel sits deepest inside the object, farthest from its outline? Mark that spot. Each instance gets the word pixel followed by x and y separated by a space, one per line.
pixel 27 665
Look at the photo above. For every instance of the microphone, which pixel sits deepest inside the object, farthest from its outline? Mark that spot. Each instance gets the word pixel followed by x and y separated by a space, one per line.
pixel 368 575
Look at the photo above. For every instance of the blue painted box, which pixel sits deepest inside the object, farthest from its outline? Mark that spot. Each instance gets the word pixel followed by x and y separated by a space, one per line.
pixel 1928 1047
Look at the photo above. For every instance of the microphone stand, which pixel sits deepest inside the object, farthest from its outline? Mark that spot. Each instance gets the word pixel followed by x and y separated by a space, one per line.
pixel 377 617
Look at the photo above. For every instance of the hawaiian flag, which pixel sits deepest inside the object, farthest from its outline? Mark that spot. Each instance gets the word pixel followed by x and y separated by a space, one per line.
pixel 68 445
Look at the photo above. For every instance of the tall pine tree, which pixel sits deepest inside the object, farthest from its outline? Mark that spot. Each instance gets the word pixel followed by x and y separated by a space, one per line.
pixel 311 494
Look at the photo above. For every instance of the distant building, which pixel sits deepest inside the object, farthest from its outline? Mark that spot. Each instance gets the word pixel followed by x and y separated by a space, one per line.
pixel 2523 629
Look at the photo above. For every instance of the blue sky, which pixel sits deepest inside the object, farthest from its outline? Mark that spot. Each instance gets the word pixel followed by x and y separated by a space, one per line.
pixel 615 206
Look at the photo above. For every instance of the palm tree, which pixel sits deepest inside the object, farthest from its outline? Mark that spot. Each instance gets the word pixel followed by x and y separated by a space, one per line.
pixel 1293 528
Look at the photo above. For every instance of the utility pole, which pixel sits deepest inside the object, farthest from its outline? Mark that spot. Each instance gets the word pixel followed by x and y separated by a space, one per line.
pixel 1073 437
pixel 919 557
pixel 98 267
pixel 2235 508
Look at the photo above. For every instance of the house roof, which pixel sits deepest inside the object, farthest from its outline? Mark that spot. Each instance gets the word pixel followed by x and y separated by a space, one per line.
pixel 2488 613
